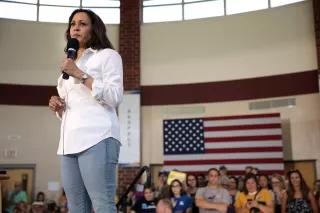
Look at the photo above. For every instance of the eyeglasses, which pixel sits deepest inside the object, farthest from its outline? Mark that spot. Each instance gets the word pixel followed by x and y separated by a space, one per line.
pixel 176 186
pixel 275 182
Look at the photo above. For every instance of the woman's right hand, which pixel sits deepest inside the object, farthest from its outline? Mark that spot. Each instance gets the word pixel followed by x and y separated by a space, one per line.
pixel 56 104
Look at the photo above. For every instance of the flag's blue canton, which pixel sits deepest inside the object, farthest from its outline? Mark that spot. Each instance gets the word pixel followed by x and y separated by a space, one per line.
pixel 183 136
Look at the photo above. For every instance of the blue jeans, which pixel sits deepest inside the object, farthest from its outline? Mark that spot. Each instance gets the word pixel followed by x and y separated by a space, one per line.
pixel 89 178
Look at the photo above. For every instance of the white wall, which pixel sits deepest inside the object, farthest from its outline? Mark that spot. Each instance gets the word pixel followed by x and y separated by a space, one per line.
pixel 267 42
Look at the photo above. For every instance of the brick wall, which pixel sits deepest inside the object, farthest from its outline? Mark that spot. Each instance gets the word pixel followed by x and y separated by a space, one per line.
pixel 126 175
pixel 316 9
pixel 130 16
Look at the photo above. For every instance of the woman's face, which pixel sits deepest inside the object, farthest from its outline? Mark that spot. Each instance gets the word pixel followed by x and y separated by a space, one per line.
pixel 176 188
pixel 148 194
pixel 80 28
pixel 263 182
pixel 251 185
pixel 295 179
pixel 276 184
pixel 192 181
pixel 232 184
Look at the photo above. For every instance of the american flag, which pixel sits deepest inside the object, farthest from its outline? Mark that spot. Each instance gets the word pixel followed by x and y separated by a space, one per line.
pixel 196 144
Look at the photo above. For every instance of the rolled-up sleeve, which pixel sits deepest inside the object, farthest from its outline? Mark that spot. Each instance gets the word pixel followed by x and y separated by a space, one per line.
pixel 109 89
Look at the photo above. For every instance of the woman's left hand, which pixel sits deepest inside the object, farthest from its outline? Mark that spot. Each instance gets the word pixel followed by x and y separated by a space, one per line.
pixel 69 66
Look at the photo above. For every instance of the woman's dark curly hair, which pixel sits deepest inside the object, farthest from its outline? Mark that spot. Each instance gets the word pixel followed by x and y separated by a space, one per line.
pixel 99 39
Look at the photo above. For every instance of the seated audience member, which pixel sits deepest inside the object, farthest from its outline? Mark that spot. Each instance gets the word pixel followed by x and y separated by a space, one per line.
pixel 213 198
pixel 40 197
pixel 16 196
pixel 38 207
pixel 192 186
pixel 278 189
pixel 164 206
pixel 181 202
pixel 21 207
pixel 146 204
pixel 51 206
pixel 298 198
pixel 253 199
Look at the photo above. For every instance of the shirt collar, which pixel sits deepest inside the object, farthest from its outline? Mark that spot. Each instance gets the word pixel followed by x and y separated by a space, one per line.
pixel 90 50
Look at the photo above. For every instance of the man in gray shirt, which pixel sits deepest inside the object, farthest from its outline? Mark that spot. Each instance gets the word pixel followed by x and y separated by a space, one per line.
pixel 213 198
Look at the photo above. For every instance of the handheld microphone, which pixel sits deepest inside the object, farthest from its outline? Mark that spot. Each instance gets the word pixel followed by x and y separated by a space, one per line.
pixel 72 49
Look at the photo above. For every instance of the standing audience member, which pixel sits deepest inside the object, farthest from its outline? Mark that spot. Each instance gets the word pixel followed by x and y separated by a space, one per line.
pixel 255 171
pixel 253 199
pixel 248 170
pixel 192 186
pixel 201 179
pixel 63 202
pixel 316 192
pixel 213 198
pixel 299 198
pixel 224 180
pixel 146 204
pixel 278 189
pixel 16 196
pixel 181 202
pixel 233 192
pixel 264 182
pixel 163 189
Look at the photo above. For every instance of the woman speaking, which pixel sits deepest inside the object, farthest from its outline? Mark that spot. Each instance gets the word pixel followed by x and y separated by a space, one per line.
pixel 89 139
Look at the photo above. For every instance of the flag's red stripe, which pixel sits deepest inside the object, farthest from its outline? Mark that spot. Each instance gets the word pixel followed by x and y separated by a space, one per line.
pixel 225 161
pixel 271 115
pixel 239 172
pixel 243 127
pixel 244 149
pixel 244 138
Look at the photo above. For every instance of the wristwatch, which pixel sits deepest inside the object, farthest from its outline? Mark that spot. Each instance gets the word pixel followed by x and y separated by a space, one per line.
pixel 84 77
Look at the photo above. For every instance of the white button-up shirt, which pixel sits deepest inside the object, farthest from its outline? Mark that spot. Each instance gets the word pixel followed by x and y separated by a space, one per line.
pixel 90 115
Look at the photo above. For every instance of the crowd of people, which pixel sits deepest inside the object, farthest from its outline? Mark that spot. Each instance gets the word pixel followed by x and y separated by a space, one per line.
pixel 219 192
pixel 19 202
pixel 214 192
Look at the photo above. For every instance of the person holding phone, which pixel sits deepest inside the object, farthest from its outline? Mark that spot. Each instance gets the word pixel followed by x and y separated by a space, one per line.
pixel 253 199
